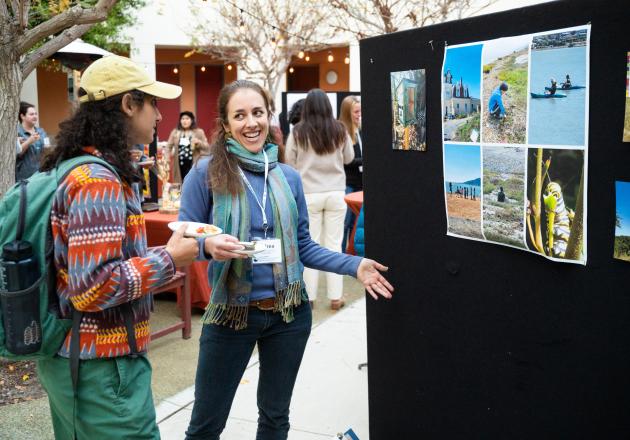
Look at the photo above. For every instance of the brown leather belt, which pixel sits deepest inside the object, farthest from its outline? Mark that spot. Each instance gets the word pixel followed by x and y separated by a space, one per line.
pixel 263 304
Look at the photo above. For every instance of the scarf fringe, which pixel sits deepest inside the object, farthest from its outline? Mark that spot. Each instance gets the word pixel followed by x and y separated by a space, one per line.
pixel 287 299
pixel 228 315
pixel 236 316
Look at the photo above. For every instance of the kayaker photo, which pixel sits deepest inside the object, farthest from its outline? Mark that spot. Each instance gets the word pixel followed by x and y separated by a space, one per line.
pixel 567 82
pixel 553 88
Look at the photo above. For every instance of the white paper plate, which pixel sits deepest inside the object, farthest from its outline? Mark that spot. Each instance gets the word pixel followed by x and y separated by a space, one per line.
pixel 259 247
pixel 196 229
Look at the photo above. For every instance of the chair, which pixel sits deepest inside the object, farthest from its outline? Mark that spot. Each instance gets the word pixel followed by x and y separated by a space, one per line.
pixel 180 283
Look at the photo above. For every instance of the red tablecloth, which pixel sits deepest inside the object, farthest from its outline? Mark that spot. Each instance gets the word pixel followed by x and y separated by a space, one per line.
pixel 158 234
pixel 355 202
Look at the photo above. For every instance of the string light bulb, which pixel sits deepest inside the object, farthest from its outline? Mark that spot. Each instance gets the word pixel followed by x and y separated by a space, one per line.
pixel 330 57
pixel 229 67
pixel 175 70
pixel 301 54
pixel 307 58
pixel 203 68
pixel 347 59
pixel 291 69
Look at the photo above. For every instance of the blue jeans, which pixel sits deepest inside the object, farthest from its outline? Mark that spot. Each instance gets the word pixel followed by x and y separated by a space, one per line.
pixel 223 357
pixel 348 223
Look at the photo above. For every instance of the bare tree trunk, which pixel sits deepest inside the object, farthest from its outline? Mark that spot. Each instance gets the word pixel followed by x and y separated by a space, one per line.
pixel 10 85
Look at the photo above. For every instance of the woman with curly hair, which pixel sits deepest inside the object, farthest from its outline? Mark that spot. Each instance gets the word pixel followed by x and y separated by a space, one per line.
pixel 105 273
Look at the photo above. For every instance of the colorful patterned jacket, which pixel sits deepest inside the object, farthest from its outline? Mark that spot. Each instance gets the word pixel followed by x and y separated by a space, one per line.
pixel 102 260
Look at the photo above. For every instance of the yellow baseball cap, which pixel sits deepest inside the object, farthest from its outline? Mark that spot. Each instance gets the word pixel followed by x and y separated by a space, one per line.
pixel 113 74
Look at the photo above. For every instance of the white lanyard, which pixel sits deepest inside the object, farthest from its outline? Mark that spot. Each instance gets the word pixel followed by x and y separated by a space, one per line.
pixel 360 142
pixel 264 197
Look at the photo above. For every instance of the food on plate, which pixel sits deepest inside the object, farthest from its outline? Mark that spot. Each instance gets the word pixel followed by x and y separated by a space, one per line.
pixel 207 229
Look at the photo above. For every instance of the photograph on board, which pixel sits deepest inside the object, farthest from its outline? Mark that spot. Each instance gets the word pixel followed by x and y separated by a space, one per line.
pixel 555 203
pixel 558 88
pixel 622 221
pixel 461 86
pixel 409 130
pixel 505 65
pixel 504 194
pixel 462 184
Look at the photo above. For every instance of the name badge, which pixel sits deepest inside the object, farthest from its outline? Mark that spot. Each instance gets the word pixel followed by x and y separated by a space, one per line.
pixel 46 142
pixel 272 253
pixel 184 141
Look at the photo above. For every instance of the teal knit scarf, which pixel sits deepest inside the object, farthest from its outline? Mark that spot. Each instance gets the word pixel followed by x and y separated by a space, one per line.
pixel 232 279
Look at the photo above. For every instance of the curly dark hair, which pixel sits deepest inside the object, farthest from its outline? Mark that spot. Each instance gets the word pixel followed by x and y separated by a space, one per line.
pixel 101 124
pixel 223 168
pixel 317 127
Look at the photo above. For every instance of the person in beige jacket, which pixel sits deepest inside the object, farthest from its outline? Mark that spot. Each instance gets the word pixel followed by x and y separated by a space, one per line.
pixel 318 148
pixel 186 143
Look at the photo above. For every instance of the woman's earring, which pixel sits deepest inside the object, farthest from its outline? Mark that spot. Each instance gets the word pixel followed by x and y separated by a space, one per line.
pixel 227 135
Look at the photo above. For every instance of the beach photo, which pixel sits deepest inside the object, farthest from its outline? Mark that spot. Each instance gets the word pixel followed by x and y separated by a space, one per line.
pixel 462 184
pixel 555 208
pixel 622 221
pixel 558 88
pixel 409 131
pixel 505 66
pixel 461 87
pixel 626 125
pixel 504 194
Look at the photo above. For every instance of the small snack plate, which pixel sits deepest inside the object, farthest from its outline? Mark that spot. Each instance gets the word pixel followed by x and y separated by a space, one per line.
pixel 258 247
pixel 195 229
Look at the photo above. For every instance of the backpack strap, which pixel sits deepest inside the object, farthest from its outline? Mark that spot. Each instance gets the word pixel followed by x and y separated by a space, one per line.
pixel 63 169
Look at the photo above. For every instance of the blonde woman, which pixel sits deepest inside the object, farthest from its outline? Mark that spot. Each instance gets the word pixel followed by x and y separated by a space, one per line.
pixel 318 148
pixel 350 117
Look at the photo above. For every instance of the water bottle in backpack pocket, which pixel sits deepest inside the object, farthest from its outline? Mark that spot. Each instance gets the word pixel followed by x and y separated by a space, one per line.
pixel 19 298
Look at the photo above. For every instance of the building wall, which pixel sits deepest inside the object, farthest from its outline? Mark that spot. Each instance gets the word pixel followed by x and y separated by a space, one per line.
pixel 52 93
pixel 320 59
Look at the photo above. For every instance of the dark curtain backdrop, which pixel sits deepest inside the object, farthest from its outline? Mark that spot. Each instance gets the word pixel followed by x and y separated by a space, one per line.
pixel 483 341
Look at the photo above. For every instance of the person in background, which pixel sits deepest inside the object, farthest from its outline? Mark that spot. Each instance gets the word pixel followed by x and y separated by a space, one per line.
pixel 140 162
pixel 318 148
pixel 104 270
pixel 257 301
pixel 350 117
pixel 495 104
pixel 274 129
pixel 553 88
pixel 31 142
pixel 186 144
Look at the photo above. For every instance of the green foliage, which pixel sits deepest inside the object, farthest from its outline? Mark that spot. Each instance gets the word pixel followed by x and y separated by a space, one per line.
pixel 622 247
pixel 463 132
pixel 517 80
pixel 106 35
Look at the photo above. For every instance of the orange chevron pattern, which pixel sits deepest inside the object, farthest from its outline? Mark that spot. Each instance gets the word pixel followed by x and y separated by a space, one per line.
pixel 102 260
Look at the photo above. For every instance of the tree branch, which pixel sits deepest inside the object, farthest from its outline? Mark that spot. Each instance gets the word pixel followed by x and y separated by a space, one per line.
pixel 76 15
pixel 50 47
pixel 25 6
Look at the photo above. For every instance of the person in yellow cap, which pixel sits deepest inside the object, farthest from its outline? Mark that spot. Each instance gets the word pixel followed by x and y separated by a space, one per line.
pixel 99 383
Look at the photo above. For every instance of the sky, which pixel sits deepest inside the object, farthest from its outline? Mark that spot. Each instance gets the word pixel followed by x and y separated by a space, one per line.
pixel 504 46
pixel 465 62
pixel 622 190
pixel 461 162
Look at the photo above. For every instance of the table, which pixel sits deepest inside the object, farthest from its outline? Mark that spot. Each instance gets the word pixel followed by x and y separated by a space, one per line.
pixel 158 234
pixel 355 202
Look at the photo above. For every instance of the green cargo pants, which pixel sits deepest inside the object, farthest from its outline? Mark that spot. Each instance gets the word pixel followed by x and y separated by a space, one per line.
pixel 114 399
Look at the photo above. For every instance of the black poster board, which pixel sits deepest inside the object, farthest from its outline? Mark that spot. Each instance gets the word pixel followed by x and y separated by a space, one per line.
pixel 483 341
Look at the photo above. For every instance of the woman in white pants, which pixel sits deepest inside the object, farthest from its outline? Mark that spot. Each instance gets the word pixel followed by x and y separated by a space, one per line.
pixel 318 147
